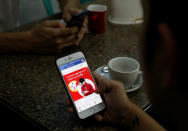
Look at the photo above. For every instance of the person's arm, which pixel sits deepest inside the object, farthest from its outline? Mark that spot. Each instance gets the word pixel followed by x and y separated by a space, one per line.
pixel 48 37
pixel 139 121
pixel 10 42
pixel 120 110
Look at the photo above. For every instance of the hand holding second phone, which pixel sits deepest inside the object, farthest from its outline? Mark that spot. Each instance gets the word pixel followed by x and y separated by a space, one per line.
pixel 68 12
pixel 51 36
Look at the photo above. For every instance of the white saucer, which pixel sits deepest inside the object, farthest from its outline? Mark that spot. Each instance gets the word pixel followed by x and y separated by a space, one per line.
pixel 124 21
pixel 134 87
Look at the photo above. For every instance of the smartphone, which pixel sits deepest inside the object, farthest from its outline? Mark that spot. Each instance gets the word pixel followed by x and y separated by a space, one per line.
pixel 77 19
pixel 80 84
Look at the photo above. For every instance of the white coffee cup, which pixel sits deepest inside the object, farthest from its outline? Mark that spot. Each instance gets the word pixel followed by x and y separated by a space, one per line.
pixel 126 12
pixel 124 69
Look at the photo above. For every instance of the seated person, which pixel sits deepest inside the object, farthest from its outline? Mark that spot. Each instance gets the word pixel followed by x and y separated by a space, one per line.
pixel 164 65
pixel 49 37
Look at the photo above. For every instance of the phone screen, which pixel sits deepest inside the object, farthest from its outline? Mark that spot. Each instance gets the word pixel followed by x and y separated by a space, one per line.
pixel 80 84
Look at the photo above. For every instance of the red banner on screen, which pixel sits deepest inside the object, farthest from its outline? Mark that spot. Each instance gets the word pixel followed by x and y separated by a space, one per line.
pixel 77 88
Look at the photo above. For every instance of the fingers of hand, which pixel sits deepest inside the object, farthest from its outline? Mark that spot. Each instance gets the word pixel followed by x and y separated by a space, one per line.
pixel 66 16
pixel 70 108
pixel 68 103
pixel 68 13
pixel 53 23
pixel 85 23
pixel 98 117
pixel 60 47
pixel 74 29
pixel 106 85
pixel 74 11
pixel 61 43
pixel 68 31
pixel 58 38
pixel 82 31
pixel 57 32
pixel 97 77
pixel 102 86
pixel 80 35
pixel 62 40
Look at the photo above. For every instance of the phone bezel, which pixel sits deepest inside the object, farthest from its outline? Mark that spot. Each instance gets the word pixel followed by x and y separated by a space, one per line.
pixel 92 110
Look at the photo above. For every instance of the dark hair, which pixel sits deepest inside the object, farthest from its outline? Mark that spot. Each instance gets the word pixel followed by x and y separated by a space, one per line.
pixel 173 13
pixel 164 11
pixel 81 80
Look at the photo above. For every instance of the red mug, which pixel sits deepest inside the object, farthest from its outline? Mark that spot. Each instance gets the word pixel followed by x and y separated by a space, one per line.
pixel 97 18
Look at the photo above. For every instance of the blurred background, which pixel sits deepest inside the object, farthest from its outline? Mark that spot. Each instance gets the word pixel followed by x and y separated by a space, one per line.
pixel 31 10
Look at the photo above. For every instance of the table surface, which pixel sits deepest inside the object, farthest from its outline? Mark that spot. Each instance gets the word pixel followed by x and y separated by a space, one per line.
pixel 32 83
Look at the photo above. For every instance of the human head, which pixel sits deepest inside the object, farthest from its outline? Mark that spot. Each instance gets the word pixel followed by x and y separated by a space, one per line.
pixel 82 80
pixel 162 54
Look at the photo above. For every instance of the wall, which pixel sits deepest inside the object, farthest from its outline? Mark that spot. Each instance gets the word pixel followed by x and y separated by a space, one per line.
pixel 31 10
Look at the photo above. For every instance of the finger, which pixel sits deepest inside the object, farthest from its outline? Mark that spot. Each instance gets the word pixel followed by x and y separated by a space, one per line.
pixel 98 80
pixel 74 29
pixel 61 46
pixel 67 15
pixel 98 117
pixel 62 40
pixel 80 35
pixel 56 32
pixel 104 85
pixel 97 77
pixel 85 23
pixel 68 103
pixel 82 31
pixel 70 110
pixel 74 11
pixel 53 23
pixel 68 31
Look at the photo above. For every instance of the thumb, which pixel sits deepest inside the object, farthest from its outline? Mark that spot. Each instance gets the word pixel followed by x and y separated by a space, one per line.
pixel 74 11
pixel 67 15
pixel 104 85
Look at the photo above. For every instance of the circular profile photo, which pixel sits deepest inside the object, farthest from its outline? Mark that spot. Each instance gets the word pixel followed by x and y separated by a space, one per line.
pixel 85 87
pixel 72 86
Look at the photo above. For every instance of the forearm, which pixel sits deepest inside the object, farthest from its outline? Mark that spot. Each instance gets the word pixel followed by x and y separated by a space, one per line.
pixel 140 121
pixel 13 41
pixel 73 3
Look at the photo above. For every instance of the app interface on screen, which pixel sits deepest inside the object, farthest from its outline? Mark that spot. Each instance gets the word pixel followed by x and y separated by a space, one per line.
pixel 80 84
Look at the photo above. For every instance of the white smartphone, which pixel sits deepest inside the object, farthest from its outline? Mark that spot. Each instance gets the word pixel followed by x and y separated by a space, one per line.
pixel 80 85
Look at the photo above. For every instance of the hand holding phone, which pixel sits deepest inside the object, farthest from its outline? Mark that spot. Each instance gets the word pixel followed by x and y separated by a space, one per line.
pixel 80 85
pixel 77 19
